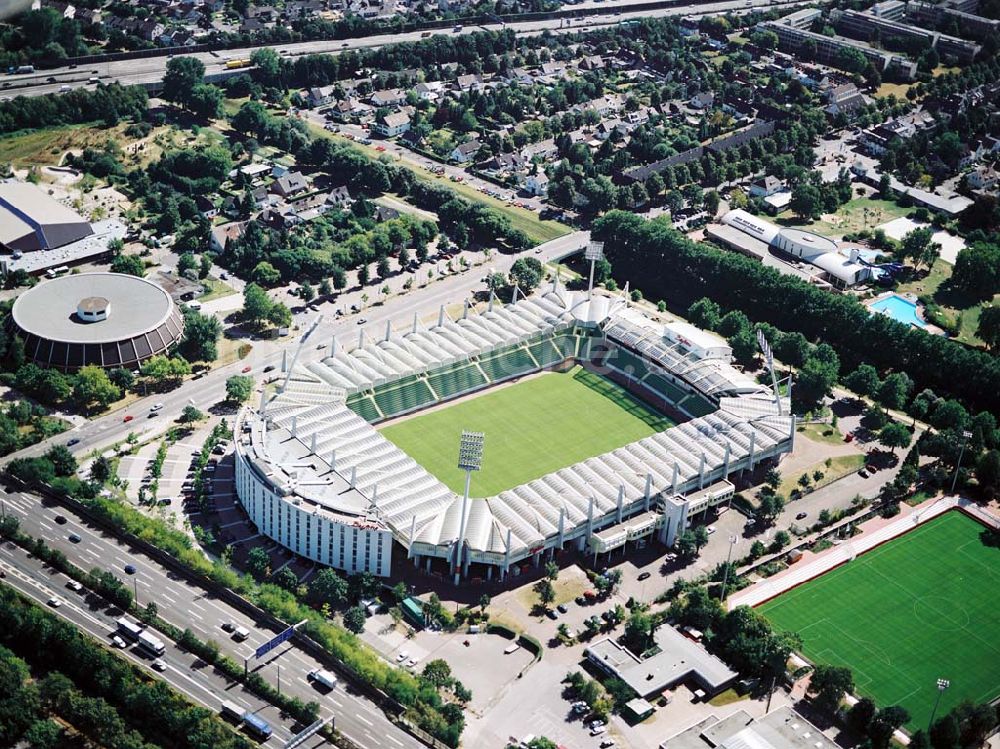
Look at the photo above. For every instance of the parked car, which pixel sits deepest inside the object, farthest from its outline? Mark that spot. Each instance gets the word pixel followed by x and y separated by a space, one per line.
pixel 800 516
pixel 159 665
pixel 75 586
pixel 643 576
pixel 74 538
pixel 130 569
pixel 72 441
pixel 562 608
pixel 117 641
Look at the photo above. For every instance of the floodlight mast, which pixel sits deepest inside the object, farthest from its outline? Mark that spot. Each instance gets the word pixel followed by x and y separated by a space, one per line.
pixel 593 253
pixel 470 458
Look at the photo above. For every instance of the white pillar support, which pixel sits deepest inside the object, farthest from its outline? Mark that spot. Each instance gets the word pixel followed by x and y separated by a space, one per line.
pixel 414 329
pixel 312 443
pixel 284 360
pixel 648 493
pixel 361 337
pixel 333 461
pixel 621 501
pixel 388 329
pixel 677 471
pixel 725 465
pixel 441 316
pixel 513 296
pixel 506 556
pixel 333 346
pixel 701 471
pixel 465 310
pixel 562 525
pixel 590 517
pixel 413 532
pixel 354 476
pixel 295 424
pixel 492 299
pixel 753 450
pixel 263 400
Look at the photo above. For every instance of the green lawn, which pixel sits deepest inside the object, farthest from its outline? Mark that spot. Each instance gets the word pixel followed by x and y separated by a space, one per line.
pixel 955 304
pixel 850 217
pixel 922 607
pixel 532 428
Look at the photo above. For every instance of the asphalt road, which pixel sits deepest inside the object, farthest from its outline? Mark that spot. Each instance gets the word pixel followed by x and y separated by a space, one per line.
pixel 95 617
pixel 150 70
pixel 185 605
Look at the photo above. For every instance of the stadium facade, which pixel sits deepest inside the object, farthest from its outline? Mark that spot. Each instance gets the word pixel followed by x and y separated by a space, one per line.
pixel 315 475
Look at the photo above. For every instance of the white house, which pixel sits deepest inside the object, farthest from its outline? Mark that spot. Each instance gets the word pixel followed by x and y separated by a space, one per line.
pixel 536 184
pixel 392 124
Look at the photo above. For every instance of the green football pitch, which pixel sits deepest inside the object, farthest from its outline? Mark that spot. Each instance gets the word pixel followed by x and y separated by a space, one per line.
pixel 532 428
pixel 923 607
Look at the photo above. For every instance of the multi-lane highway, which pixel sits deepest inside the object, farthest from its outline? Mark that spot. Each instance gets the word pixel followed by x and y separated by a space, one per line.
pixel 183 605
pixel 93 616
pixel 149 71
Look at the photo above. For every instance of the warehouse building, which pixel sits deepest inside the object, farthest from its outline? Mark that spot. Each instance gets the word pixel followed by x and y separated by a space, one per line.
pixel 32 220
pixel 784 728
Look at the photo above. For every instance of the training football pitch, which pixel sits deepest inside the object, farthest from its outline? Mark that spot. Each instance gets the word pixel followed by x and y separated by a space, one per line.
pixel 532 428
pixel 923 607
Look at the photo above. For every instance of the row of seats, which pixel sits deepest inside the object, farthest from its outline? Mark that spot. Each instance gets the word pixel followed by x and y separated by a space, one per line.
pixel 508 364
pixel 697 406
pixel 364 407
pixel 546 353
pixel 456 379
pixel 400 398
pixel 664 387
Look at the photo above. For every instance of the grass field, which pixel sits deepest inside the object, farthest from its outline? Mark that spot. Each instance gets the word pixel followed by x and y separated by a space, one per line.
pixel 532 428
pixel 850 217
pixel 922 607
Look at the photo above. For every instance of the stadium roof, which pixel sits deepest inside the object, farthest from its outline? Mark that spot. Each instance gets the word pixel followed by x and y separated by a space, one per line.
pixel 311 444
pixel 49 309
pixel 784 728
pixel 30 219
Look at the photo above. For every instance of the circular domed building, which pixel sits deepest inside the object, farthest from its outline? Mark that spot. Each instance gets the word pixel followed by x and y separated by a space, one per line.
pixel 106 319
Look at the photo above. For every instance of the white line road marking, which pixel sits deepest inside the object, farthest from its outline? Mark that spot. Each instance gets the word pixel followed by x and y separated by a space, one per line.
pixel 196 616
pixel 393 738
pixel 364 720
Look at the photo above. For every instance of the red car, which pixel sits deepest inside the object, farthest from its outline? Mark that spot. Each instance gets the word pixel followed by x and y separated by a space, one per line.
pixel 246 369
pixel 128 418
pixel 379 148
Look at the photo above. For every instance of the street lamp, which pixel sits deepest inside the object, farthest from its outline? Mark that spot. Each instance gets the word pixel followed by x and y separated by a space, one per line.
pixel 470 458
pixel 942 684
pixel 954 479
pixel 733 539
pixel 593 253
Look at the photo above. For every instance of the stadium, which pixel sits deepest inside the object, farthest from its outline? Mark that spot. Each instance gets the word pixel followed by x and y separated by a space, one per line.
pixel 602 427
pixel 104 319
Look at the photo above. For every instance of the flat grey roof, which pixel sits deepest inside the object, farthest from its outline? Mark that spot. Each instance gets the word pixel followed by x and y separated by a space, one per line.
pixel 49 309
pixel 679 658
pixel 783 728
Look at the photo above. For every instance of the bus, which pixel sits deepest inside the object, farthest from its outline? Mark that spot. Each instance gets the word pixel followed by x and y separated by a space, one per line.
pixel 234 64
pixel 257 725
pixel 53 272
pixel 151 643
pixel 129 628
pixel 233 711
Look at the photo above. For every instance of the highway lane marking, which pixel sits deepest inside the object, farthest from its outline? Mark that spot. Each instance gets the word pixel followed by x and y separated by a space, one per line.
pixel 196 616
pixel 364 720
pixel 393 738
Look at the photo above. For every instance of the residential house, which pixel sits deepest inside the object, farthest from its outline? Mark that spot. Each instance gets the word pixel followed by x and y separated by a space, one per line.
pixel 702 100
pixel 339 197
pixel 392 125
pixel 384 213
pixel 503 164
pixel 387 97
pixel 320 95
pixel 293 183
pixel 611 126
pixel 592 62
pixel 222 235
pixel 536 184
pixel 206 207
pixel 543 149
pixel 413 139
pixel 347 110
pixel 983 178
pixel 66 10
pixel 429 91
pixel 463 153
pixel 765 187
pixel 469 82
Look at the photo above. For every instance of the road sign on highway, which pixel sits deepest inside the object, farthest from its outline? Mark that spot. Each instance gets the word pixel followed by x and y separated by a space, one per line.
pixel 304 735
pixel 275 641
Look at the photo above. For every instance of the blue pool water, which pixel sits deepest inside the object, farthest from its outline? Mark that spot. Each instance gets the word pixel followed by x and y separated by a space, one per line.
pixel 899 309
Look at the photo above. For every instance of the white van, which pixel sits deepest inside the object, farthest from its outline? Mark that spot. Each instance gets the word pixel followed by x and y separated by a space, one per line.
pixel 240 634
pixel 193 306
pixel 324 677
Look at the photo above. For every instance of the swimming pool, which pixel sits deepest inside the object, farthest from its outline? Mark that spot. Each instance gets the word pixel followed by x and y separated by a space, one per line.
pixel 899 309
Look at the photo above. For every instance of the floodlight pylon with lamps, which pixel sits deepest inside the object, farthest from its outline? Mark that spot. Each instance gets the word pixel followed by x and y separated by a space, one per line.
pixel 593 253
pixel 470 458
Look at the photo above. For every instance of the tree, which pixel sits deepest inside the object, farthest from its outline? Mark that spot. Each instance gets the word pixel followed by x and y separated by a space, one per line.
pixel 551 570
pixel 815 380
pixel 885 724
pixel 806 201
pixel 258 562
pixel 181 77
pixel 286 579
pixel 131 265
pixel 861 715
pixel 830 684
pixel 989 326
pixel 701 536
pixel 101 469
pixel 205 101
pixel 201 335
pixel 546 591
pixel 945 732
pixel 354 619
pixel 186 262
pixel 121 377
pixel 328 587
pixel 894 435
pixel 769 507
pixel 256 304
pixel 705 313
pixel 239 388
pixel 687 545
pixel 306 292
pixel 91 385
pixel 526 273
pixel 988 471
pixel 920 247
pixel 864 380
pixel 437 672
pixel 895 390
pixel 190 414
pixel 62 460
pixel 484 602
pixel 265 274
